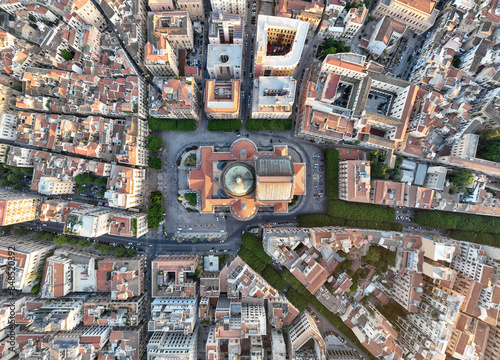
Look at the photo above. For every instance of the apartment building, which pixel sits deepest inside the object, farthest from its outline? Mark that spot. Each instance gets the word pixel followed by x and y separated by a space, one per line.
pixel 472 262
pixel 172 276
pixel 353 21
pixel 385 37
pixel 128 342
pixel 57 279
pixel 169 345
pixel 225 29
pixel 173 315
pixel 224 62
pixel 68 271
pixel 345 102
pixel 89 13
pixel 229 6
pixel 465 146
pixel 49 185
pixel 278 347
pixel 354 180
pixel 57 315
pixel 303 329
pixel 129 224
pixel 161 5
pixel 175 26
pixel 435 177
pixel 195 9
pixel 222 99
pixel 179 99
pixel 122 277
pixel 278 45
pixel 418 16
pixel 372 329
pixel 101 309
pixel 273 97
pixel 159 57
pixel 8 126
pixel 28 260
pixel 17 207
pixel 88 222
pixel 125 187
pixel 243 281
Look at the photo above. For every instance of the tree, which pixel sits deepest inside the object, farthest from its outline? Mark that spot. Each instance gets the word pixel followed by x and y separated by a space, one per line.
pixel 60 240
pixel 82 244
pixel 67 55
pixel 131 253
pixel 72 241
pixel 18 186
pixel 14 177
pixel 101 192
pixel 154 163
pixel 462 179
pixel 265 124
pixel 35 289
pixel 162 124
pixel 154 143
pixel 490 151
pixel 154 216
pixel 332 173
pixel 186 125
pixel 224 125
pixel 120 251
pixel 84 178
pixel 80 189
pixel 5 183
pixel 101 181
pixel 21 231
pixel 456 61
pixel 156 197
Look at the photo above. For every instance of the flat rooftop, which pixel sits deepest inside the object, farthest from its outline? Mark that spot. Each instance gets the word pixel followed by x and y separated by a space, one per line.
pixel 293 56
pixel 276 90
pixel 228 54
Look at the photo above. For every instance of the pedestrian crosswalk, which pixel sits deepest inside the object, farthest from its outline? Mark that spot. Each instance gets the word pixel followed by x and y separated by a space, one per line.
pixel 318 207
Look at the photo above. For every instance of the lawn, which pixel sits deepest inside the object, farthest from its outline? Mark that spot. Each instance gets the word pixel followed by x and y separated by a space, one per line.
pixel 190 160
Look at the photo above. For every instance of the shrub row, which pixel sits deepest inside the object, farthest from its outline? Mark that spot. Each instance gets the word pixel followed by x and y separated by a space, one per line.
pixel 156 124
pixel 332 173
pixel 272 124
pixel 361 211
pixel 224 125
pixel 455 221
pixel 482 238
pixel 155 210
pixel 319 220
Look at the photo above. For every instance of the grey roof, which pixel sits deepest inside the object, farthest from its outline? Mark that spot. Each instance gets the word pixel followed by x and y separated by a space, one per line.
pixel 273 166
pixel 420 175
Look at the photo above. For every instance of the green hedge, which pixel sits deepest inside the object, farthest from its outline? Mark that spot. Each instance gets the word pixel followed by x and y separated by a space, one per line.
pixel 156 124
pixel 265 124
pixel 252 243
pixel 224 125
pixel 155 210
pixel 361 211
pixel 319 220
pixel 455 221
pixel 154 163
pixel 332 173
pixel 483 238
pixel 315 220
pixel 154 143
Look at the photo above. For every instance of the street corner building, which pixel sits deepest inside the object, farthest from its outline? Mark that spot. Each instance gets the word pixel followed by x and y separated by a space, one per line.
pixel 245 178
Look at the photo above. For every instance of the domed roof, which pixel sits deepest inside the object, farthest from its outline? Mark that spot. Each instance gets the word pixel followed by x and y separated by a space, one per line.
pixel 238 179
